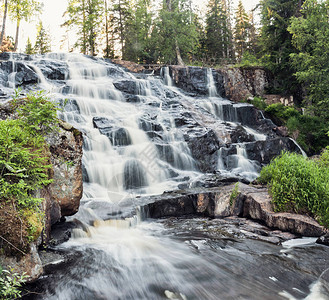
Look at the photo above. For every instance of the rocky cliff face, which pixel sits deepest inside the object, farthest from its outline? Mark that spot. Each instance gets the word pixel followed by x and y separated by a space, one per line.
pixel 61 197
pixel 235 84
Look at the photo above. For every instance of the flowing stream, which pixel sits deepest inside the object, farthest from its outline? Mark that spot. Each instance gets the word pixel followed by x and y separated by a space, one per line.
pixel 135 144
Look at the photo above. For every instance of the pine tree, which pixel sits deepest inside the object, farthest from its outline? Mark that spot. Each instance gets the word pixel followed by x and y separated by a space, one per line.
pixel 241 31
pixel 138 33
pixel 121 22
pixel 174 36
pixel 84 16
pixel 276 41
pixel 42 43
pixel 218 32
pixel 29 49
pixel 108 32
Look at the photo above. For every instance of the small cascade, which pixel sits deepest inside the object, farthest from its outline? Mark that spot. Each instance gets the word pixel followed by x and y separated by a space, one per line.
pixel 167 80
pixel 242 165
pixel 212 90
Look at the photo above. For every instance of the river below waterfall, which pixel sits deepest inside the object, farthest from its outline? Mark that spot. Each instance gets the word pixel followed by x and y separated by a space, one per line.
pixel 143 136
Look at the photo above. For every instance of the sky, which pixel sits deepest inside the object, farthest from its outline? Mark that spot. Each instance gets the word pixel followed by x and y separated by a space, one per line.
pixel 52 19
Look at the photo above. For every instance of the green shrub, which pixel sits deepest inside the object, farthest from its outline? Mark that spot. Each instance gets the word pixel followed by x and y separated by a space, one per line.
pixel 259 103
pixel 10 284
pixel 309 131
pixel 23 163
pixel 298 185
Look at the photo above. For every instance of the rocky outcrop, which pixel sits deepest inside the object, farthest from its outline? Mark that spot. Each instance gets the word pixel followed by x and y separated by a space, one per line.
pixel 131 66
pixel 241 83
pixel 61 198
pixel 235 84
pixel 251 202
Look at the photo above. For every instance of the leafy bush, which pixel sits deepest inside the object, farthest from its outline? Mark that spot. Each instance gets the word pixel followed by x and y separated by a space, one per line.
pixel 23 163
pixel 259 103
pixel 299 185
pixel 10 284
pixel 309 131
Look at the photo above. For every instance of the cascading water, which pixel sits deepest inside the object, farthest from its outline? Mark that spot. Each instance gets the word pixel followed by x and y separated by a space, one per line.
pixel 135 143
pixel 212 90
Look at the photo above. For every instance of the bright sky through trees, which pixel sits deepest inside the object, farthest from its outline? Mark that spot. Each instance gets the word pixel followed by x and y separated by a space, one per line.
pixel 52 18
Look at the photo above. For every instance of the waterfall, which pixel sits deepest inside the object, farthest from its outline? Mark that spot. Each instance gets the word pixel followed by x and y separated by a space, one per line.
pixel 142 137
pixel 167 80
pixel 212 90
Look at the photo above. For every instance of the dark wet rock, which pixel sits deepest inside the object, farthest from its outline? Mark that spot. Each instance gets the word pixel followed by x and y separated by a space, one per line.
pixel 149 123
pixel 251 202
pixel 190 79
pixel 324 240
pixel 61 232
pixel 131 98
pixel 30 264
pixel 281 131
pixel 204 150
pixel 126 85
pixel 118 136
pixel 246 114
pixel 14 56
pixel 24 74
pixel 54 70
pixel 264 151
pixel 240 135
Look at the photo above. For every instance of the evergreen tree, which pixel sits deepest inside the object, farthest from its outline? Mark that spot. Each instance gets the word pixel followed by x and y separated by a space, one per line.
pixel 276 41
pixel 218 32
pixel 310 35
pixel 121 21
pixel 241 31
pixel 138 33
pixel 29 49
pixel 109 40
pixel 174 36
pixel 84 15
pixel 42 43
pixel 22 10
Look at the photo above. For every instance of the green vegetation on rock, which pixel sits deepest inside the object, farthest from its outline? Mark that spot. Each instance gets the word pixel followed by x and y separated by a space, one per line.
pixel 24 169
pixel 299 185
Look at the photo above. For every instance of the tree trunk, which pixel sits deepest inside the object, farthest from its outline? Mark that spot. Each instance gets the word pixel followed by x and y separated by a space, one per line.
pixel 17 33
pixel 4 22
pixel 178 56
pixel 107 49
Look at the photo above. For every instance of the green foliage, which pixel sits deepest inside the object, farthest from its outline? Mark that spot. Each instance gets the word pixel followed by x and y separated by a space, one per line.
pixel 24 158
pixel 310 36
pixel 298 185
pixel 37 113
pixel 275 41
pixel 23 10
pixel 219 32
pixel 10 284
pixel 235 193
pixel 137 32
pixel 174 35
pixel 309 131
pixel 29 49
pixel 249 60
pixel 85 17
pixel 259 103
pixel 42 43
